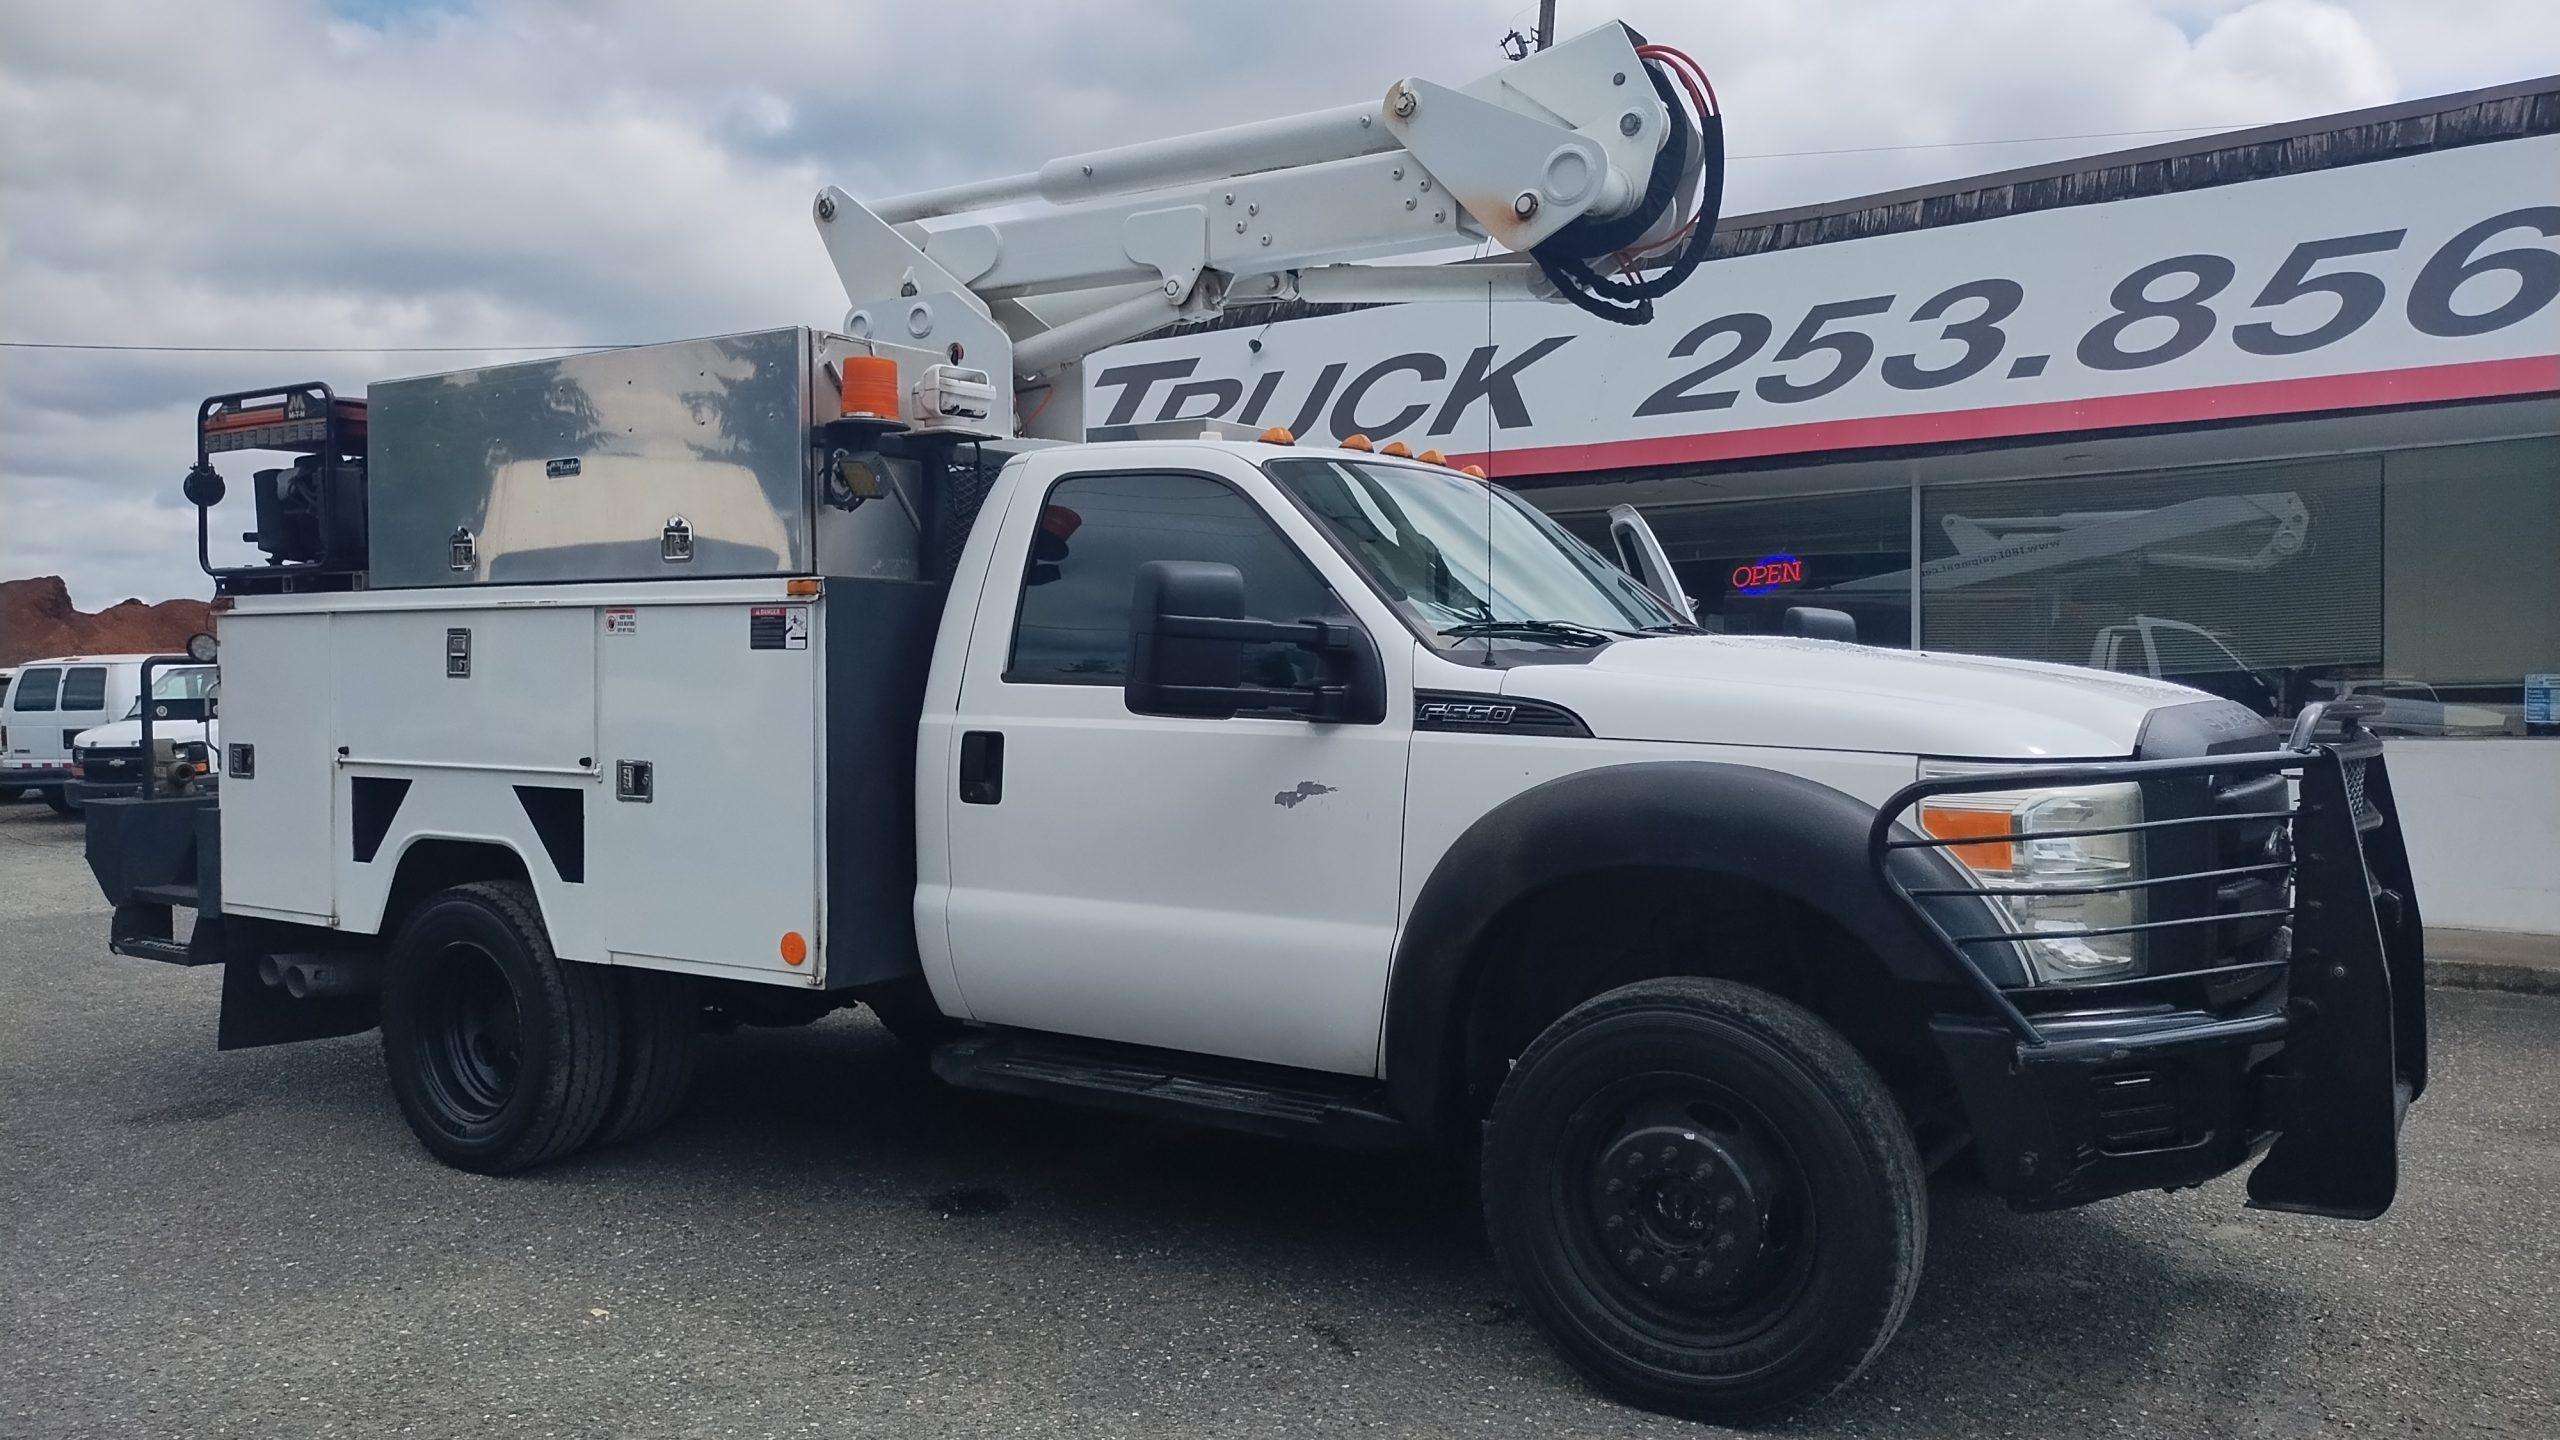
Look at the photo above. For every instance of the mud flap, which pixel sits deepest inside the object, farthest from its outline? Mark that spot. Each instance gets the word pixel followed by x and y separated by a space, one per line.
pixel 2349 1071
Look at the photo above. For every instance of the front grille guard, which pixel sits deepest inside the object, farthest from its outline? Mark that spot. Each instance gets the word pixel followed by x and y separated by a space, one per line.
pixel 2352 1027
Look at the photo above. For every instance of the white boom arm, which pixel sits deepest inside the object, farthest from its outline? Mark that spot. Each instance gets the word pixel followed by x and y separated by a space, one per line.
pixel 1028 274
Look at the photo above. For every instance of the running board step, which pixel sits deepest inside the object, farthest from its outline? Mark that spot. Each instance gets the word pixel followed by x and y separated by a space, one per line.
pixel 175 952
pixel 1261 1100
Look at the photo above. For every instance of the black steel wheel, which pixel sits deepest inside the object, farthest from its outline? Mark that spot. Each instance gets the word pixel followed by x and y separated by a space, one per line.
pixel 501 1054
pixel 1707 1198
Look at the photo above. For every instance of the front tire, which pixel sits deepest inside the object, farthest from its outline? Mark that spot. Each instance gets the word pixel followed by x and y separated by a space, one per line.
pixel 62 800
pixel 501 1054
pixel 1707 1198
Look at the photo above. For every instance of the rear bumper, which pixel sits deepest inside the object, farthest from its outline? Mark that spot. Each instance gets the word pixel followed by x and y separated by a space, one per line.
pixel 2310 1061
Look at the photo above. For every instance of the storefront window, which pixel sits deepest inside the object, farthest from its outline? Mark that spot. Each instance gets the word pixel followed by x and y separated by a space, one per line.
pixel 2471 589
pixel 1745 563
pixel 2255 583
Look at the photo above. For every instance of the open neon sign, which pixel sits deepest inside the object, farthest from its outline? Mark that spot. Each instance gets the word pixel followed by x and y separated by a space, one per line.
pixel 1767 574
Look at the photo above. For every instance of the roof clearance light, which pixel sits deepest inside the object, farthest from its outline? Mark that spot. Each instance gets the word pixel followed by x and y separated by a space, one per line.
pixel 1432 457
pixel 1277 435
pixel 1356 442
pixel 1398 449
pixel 1475 470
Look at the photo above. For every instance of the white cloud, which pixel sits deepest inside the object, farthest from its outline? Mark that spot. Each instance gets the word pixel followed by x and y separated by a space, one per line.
pixel 282 172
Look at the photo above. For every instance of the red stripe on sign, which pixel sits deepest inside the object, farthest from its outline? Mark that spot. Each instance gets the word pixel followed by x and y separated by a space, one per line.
pixel 2473 380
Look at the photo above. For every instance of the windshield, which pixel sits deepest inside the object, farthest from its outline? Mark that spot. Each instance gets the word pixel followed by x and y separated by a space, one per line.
pixel 189 682
pixel 1459 556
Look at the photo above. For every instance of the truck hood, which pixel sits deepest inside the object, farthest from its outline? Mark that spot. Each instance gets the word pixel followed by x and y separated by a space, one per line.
pixel 1824 695
pixel 127 734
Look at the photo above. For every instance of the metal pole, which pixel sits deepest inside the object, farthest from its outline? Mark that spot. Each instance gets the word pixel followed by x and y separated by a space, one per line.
pixel 1546 23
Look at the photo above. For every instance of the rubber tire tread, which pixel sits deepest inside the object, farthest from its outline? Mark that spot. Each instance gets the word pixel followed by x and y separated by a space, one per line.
pixel 573 1000
pixel 661 1040
pixel 1839 1076
pixel 59 797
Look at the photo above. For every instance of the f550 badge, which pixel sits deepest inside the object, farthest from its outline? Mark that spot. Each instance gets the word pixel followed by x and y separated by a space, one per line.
pixel 1453 712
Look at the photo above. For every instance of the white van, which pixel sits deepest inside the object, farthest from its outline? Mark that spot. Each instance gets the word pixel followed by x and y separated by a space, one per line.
pixel 50 703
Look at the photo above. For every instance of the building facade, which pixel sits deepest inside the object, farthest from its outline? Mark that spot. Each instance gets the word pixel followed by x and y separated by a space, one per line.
pixel 2274 413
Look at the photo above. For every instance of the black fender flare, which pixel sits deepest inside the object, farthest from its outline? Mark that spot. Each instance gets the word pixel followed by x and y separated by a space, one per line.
pixel 1792 835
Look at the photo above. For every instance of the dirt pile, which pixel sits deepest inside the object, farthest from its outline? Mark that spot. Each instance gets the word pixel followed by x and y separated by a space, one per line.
pixel 37 619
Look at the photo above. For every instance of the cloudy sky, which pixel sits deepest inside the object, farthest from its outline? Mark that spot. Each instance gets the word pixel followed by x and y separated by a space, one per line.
pixel 392 175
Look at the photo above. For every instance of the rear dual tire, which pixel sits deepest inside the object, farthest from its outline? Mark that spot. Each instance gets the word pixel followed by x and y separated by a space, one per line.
pixel 503 1056
pixel 1707 1198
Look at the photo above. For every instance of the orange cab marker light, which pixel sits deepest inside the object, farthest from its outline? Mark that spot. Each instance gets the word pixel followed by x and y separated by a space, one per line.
pixel 803 585
pixel 870 386
pixel 1355 442
pixel 1432 457
pixel 1398 449
pixel 1475 470
pixel 795 948
pixel 1277 435
pixel 1991 828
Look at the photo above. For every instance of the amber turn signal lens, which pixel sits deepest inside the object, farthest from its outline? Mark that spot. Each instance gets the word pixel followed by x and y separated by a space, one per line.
pixel 1991 828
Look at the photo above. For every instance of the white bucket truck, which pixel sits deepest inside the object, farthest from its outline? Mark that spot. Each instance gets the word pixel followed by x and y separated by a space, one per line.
pixel 1317 792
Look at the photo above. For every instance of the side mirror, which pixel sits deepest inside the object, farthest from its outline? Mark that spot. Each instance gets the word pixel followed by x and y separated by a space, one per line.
pixel 1187 635
pixel 1184 674
pixel 1812 622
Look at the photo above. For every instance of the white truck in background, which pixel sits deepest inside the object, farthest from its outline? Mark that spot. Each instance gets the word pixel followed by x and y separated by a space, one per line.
pixel 1316 792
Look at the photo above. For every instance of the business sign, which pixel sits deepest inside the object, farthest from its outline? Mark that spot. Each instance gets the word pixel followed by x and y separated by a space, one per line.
pixel 2427 278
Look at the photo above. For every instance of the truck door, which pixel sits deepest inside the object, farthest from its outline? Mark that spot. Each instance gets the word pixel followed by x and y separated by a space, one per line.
pixel 1220 886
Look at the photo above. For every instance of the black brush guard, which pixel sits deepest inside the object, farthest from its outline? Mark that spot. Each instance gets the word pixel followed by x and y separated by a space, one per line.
pixel 2309 1044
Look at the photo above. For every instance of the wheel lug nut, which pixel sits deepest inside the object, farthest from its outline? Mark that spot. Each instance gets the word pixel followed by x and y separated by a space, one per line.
pixel 1724 1206
pixel 1670 1153
pixel 1614 1222
pixel 1670 1273
pixel 1701 1268
pixel 1635 1257
pixel 1614 1186
pixel 1724 1240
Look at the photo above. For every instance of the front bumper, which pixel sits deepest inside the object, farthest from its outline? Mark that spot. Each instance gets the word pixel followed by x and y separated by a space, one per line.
pixel 20 772
pixel 2311 1060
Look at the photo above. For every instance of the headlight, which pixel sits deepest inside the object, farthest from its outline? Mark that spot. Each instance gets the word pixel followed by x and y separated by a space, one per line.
pixel 2010 853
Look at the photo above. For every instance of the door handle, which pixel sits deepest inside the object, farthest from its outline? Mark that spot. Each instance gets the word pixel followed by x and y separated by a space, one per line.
pixel 981 767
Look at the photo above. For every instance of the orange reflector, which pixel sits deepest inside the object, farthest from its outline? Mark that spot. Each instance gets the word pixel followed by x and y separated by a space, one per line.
pixel 1355 442
pixel 1398 449
pixel 795 947
pixel 1432 457
pixel 804 585
pixel 871 386
pixel 1277 435
pixel 1992 827
pixel 1475 470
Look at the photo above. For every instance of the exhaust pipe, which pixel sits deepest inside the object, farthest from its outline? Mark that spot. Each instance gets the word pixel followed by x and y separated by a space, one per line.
pixel 329 979
pixel 271 971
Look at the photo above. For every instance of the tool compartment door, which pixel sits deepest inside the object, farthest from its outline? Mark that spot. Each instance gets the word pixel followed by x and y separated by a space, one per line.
pixel 708 856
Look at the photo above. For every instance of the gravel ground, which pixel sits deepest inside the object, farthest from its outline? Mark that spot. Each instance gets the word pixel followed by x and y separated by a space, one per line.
pixel 827 1243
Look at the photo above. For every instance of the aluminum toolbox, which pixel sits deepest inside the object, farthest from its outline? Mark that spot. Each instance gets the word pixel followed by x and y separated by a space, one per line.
pixel 688 459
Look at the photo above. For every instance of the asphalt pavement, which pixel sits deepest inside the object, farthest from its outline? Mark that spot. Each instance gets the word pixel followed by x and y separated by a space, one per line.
pixel 825 1242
